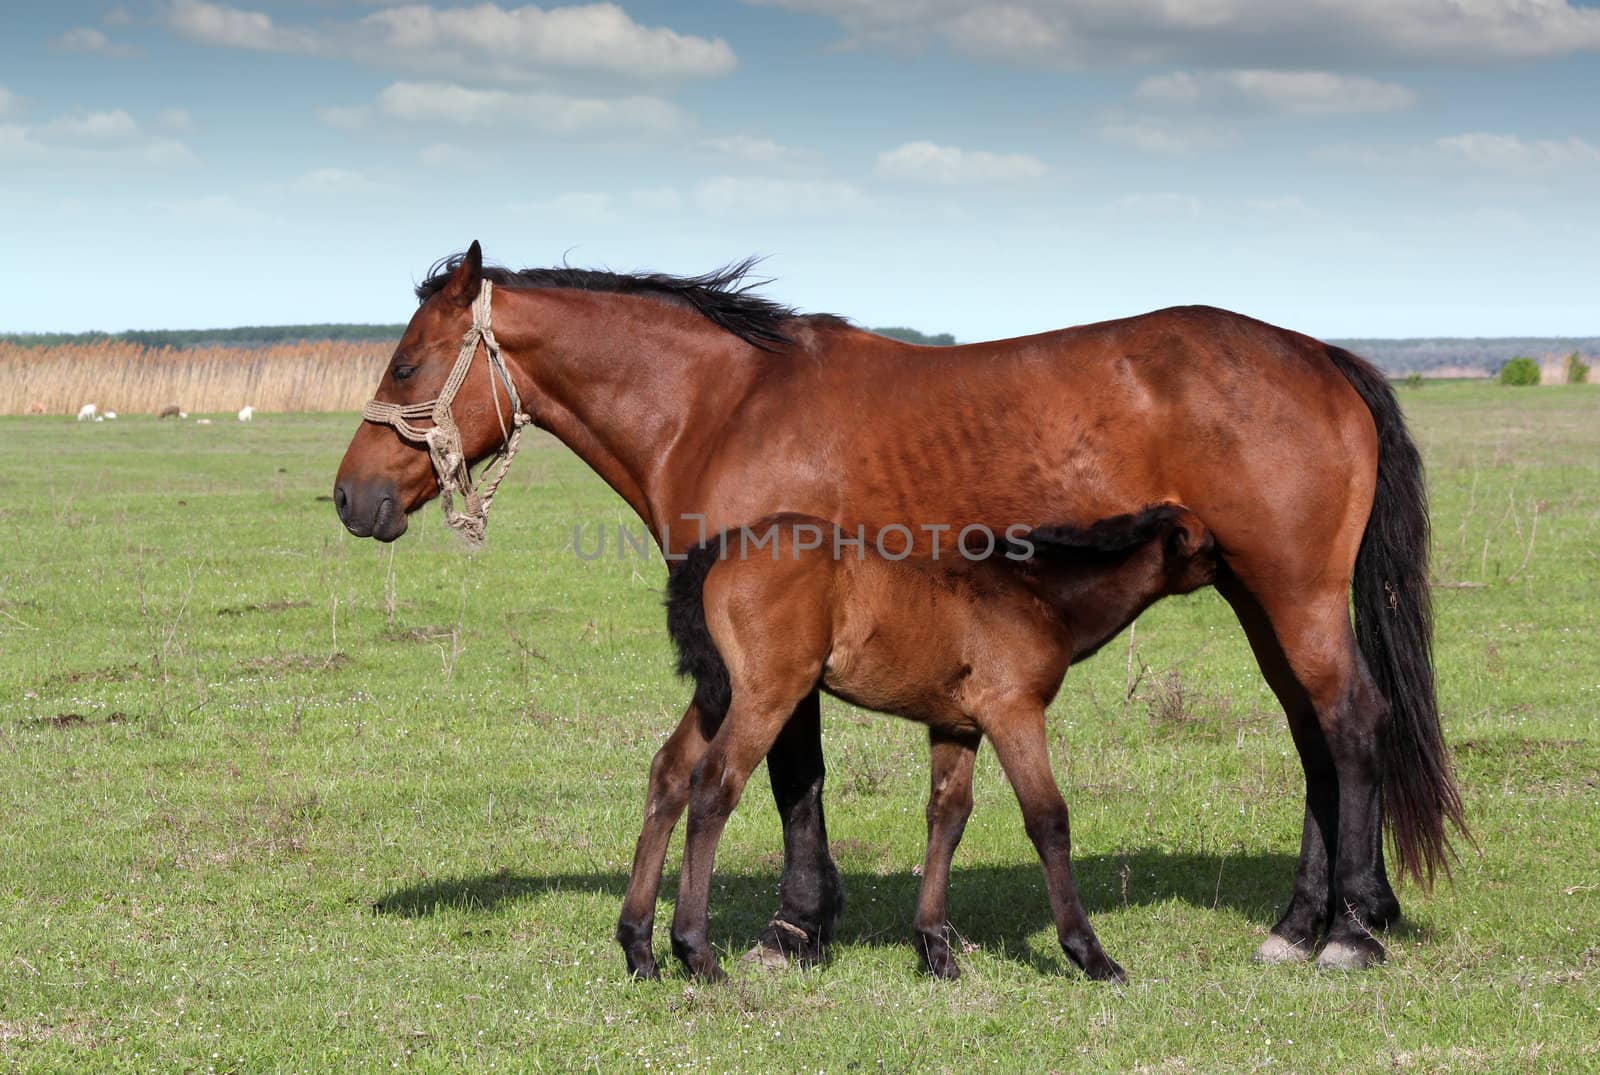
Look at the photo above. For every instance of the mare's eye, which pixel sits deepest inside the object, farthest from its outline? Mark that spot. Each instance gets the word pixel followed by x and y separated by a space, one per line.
pixel 403 372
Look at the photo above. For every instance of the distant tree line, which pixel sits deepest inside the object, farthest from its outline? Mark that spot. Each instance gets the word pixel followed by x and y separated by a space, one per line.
pixel 266 335
pixel 1416 355
pixel 1479 353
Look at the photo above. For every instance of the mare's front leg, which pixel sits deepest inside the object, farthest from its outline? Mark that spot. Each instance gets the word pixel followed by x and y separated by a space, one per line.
pixel 718 780
pixel 664 801
pixel 810 895
pixel 1017 733
pixel 949 805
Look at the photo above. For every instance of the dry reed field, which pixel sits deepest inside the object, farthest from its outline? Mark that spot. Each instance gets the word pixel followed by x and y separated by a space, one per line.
pixel 129 378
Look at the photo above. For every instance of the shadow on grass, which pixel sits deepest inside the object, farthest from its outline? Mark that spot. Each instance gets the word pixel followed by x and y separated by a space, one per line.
pixel 995 907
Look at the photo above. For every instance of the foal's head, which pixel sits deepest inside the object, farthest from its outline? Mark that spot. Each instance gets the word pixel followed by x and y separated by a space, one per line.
pixel 1102 575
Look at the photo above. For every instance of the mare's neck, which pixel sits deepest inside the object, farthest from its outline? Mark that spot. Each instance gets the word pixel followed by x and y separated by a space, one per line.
pixel 635 386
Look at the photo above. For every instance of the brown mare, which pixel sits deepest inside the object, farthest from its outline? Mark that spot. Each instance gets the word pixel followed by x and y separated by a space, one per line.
pixel 704 407
pixel 973 643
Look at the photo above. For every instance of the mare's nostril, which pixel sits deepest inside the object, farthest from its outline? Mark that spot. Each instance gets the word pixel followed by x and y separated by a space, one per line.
pixel 341 501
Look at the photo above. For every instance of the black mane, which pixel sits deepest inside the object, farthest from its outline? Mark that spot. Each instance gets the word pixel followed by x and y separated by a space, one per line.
pixel 722 296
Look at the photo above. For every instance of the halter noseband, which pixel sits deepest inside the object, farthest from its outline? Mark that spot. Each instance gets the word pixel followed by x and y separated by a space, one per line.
pixel 443 439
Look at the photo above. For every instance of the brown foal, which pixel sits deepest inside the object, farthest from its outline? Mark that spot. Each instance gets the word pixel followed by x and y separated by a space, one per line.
pixel 971 647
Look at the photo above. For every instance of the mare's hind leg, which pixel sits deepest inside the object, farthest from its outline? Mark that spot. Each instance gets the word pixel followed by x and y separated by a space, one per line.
pixel 718 780
pixel 810 894
pixel 949 806
pixel 1018 737
pixel 1308 654
pixel 664 801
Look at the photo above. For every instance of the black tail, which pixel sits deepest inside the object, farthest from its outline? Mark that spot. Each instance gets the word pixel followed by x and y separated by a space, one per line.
pixel 686 623
pixel 1394 625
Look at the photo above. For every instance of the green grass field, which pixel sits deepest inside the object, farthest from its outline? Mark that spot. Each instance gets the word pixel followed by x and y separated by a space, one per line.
pixel 275 798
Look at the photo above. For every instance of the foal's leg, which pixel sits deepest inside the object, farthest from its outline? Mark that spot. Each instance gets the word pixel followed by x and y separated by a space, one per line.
pixel 1019 741
pixel 810 895
pixel 718 780
pixel 664 802
pixel 949 805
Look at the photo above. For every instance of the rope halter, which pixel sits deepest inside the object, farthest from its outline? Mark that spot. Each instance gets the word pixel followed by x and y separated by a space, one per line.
pixel 443 438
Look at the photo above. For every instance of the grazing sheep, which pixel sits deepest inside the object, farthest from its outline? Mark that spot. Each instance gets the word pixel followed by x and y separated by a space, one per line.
pixel 86 413
pixel 246 413
pixel 202 421
pixel 172 410
pixel 110 416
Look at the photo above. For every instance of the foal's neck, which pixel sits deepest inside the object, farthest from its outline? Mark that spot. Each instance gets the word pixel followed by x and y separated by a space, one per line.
pixel 1097 596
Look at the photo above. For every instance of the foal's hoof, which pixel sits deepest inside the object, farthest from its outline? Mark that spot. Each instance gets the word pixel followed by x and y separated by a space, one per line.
pixel 1275 950
pixel 644 970
pixel 1358 954
pixel 1105 969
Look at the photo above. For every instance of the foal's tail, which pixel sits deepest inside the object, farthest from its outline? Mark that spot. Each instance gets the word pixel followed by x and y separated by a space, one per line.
pixel 1394 625
pixel 686 623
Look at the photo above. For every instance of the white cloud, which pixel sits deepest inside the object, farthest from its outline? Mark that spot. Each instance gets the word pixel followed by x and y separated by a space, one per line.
pixel 1095 33
pixel 226 27
pixel 1304 93
pixel 760 150
pixel 446 155
pixel 345 118
pixel 745 196
pixel 109 139
pixel 926 162
pixel 591 37
pixel 92 127
pixel 10 104
pixel 88 39
pixel 1173 140
pixel 334 182
pixel 580 207
pixel 447 104
pixel 1515 155
pixel 117 16
pixel 656 201
pixel 517 44
pixel 175 119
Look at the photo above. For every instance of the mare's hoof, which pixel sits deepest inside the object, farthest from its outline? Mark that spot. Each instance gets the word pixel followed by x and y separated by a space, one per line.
pixel 1275 950
pixel 1350 954
pixel 786 941
pixel 643 970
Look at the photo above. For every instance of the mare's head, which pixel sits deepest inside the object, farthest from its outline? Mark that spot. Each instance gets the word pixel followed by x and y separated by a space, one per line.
pixel 385 477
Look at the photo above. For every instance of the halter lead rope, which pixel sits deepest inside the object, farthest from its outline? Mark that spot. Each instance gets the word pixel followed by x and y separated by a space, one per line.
pixel 443 439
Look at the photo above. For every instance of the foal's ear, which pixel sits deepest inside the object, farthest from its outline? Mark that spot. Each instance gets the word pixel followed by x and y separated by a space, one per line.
pixel 467 278
pixel 1189 537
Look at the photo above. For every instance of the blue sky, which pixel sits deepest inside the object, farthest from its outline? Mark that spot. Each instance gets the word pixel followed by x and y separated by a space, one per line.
pixel 1350 168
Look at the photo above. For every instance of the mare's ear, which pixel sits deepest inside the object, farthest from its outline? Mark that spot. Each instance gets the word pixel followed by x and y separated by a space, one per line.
pixel 467 280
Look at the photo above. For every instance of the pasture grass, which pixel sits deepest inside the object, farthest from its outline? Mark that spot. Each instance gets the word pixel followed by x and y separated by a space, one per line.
pixel 279 799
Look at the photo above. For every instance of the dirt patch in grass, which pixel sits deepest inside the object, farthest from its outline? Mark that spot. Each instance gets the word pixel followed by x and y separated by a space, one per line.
pixel 294 662
pixel 116 673
pixel 264 606
pixel 74 720
pixel 1543 766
